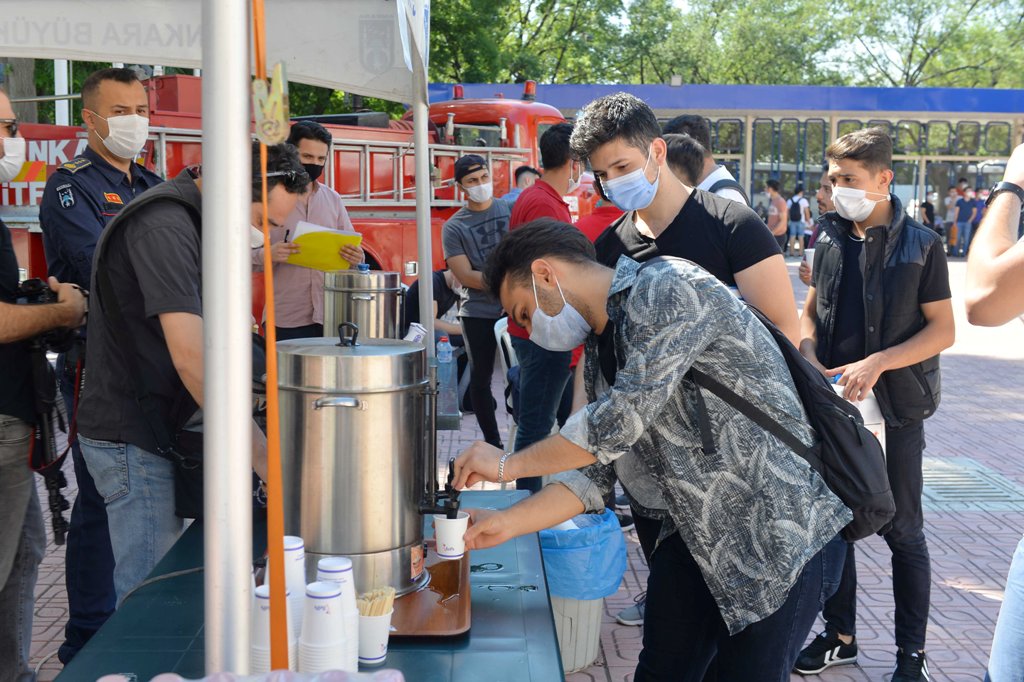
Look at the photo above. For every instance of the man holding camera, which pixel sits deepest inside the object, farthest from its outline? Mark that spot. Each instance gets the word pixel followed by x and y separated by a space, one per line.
pixel 22 534
pixel 146 329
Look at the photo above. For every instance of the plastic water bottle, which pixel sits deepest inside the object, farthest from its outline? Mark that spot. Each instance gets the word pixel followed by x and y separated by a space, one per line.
pixel 363 268
pixel 447 399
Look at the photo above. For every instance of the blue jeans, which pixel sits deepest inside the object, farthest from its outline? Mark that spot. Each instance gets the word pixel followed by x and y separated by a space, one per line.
pixel 543 386
pixel 22 544
pixel 1007 659
pixel 138 489
pixel 89 560
pixel 796 229
pixel 686 639
pixel 963 238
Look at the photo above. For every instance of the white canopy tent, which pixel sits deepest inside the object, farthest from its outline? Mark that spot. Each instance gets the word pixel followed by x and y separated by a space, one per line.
pixel 361 46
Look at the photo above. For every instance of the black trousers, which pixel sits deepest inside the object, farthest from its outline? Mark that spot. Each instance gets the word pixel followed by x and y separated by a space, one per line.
pixel 309 331
pixel 482 346
pixel 684 632
pixel 911 565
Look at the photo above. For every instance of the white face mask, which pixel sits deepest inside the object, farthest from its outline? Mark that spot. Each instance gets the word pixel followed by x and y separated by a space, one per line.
pixel 128 135
pixel 13 159
pixel 558 333
pixel 480 193
pixel 854 204
pixel 574 183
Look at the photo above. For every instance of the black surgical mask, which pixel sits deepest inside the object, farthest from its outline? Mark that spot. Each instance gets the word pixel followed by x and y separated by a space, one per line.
pixel 313 170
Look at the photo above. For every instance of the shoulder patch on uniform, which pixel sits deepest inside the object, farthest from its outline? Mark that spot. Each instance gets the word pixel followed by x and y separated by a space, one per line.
pixel 65 196
pixel 75 165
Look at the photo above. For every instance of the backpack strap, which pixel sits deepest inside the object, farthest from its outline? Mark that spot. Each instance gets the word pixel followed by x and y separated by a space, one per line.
pixel 744 407
pixel 111 305
pixel 729 183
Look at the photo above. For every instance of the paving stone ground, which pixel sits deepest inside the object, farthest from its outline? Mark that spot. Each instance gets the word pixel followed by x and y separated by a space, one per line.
pixel 981 419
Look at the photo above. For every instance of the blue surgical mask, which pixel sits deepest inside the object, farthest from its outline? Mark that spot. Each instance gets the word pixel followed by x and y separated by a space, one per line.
pixel 633 191
pixel 561 332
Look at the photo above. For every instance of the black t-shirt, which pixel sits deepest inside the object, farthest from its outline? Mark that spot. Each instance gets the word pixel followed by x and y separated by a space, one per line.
pixel 443 295
pixel 849 323
pixel 929 213
pixel 15 372
pixel 722 236
pixel 154 263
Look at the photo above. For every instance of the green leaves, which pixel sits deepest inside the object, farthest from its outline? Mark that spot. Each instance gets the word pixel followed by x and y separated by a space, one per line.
pixel 964 43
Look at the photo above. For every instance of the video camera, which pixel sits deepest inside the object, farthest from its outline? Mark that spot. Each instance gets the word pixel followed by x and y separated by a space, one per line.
pixel 37 292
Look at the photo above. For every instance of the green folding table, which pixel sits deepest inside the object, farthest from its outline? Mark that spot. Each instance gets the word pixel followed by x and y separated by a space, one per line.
pixel 159 628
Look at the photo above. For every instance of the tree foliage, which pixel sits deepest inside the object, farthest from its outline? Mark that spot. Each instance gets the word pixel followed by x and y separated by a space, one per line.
pixel 894 43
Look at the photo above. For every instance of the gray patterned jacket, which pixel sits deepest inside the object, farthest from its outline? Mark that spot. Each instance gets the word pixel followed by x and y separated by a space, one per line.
pixel 754 513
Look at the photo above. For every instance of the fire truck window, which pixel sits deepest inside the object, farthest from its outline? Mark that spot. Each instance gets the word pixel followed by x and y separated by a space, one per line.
pixel 477 136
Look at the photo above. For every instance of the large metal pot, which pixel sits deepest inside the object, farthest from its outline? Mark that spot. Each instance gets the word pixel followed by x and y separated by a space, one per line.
pixel 353 434
pixel 369 298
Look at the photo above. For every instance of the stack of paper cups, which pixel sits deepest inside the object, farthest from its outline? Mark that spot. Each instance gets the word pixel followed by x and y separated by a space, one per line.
pixel 338 569
pixel 323 645
pixel 259 648
pixel 294 581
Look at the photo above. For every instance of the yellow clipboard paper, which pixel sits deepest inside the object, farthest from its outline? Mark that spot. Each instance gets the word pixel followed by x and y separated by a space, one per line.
pixel 319 246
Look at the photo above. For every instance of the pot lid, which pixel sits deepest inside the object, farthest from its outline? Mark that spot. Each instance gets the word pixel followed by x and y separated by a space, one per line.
pixel 350 364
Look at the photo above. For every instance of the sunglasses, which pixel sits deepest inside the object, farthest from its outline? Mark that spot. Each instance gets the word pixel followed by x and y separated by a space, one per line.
pixel 12 125
pixel 290 174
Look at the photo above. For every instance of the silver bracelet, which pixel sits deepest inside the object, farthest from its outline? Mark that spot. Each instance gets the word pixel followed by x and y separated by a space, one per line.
pixel 501 467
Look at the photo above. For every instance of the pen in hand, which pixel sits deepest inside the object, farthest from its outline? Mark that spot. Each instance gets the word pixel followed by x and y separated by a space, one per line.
pixel 286 233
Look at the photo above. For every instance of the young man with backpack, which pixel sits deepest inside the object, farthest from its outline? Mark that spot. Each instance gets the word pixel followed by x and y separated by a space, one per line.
pixel 799 218
pixel 877 315
pixel 740 564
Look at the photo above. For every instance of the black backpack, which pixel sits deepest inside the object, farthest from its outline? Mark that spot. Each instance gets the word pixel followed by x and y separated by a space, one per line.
pixel 794 210
pixel 847 456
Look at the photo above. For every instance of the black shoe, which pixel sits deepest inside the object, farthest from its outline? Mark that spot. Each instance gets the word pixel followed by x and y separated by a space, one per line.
pixel 824 652
pixel 625 521
pixel 910 667
pixel 621 502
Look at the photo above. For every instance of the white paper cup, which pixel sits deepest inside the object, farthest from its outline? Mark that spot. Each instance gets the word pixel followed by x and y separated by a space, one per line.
pixel 449 535
pixel 338 569
pixel 259 631
pixel 259 659
pixel 322 619
pixel 809 258
pixel 318 659
pixel 373 638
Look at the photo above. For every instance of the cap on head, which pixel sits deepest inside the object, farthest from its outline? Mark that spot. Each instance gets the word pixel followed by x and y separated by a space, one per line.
pixel 470 163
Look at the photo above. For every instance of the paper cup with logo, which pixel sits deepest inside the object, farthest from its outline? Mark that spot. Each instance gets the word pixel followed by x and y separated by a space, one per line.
pixel 373 638
pixel 449 535
pixel 322 617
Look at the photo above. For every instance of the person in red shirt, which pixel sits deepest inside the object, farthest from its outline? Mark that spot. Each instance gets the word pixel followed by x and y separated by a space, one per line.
pixel 597 221
pixel 544 385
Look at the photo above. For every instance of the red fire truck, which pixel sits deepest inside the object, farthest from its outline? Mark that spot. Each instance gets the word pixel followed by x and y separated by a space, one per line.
pixel 371 163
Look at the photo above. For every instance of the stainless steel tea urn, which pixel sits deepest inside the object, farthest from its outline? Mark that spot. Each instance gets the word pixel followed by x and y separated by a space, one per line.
pixel 354 449
pixel 370 299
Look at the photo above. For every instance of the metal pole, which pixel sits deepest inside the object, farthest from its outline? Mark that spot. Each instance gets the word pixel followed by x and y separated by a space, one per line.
pixel 227 325
pixel 60 87
pixel 424 192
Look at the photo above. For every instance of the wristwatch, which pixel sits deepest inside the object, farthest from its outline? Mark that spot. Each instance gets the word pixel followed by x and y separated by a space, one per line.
pixel 1006 187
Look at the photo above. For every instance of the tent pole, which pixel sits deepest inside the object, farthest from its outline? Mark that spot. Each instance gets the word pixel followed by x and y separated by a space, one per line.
pixel 424 192
pixel 227 284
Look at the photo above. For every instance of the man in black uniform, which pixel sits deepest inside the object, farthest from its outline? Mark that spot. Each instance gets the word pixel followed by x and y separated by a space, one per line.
pixel 22 534
pixel 80 199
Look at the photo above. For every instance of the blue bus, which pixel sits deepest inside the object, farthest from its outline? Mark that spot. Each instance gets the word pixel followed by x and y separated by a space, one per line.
pixel 760 131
